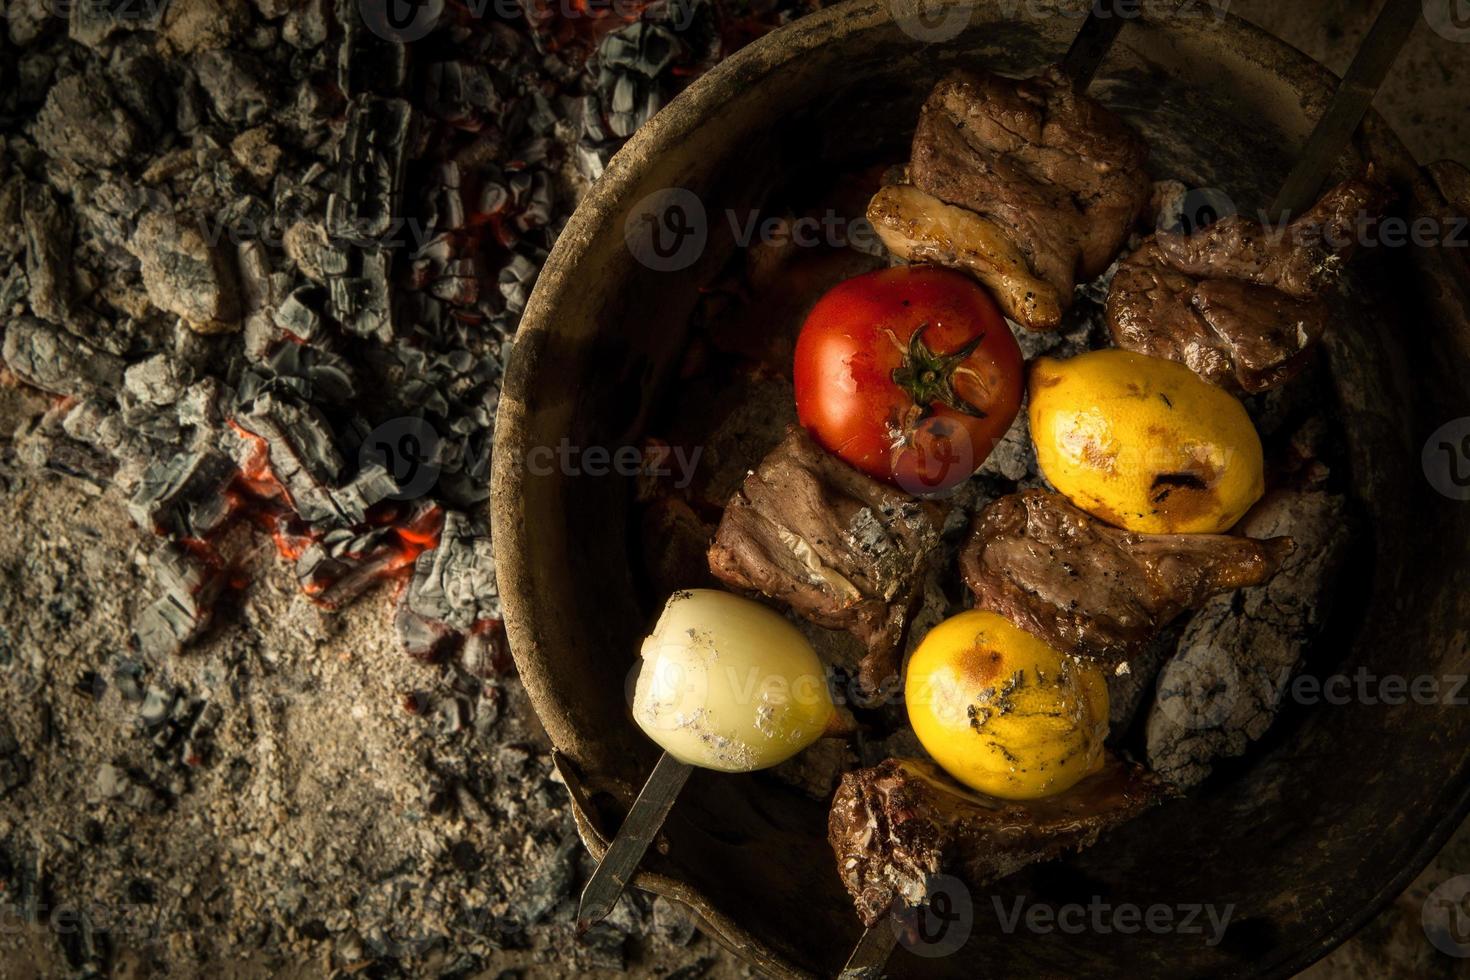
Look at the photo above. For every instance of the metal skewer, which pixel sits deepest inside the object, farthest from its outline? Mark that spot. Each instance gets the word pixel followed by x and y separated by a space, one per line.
pixel 1348 106
pixel 1350 103
pixel 625 852
pixel 1092 43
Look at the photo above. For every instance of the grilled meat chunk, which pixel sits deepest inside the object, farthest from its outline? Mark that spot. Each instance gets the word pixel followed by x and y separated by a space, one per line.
pixel 1095 591
pixel 1060 176
pixel 1239 304
pixel 895 826
pixel 919 227
pixel 840 548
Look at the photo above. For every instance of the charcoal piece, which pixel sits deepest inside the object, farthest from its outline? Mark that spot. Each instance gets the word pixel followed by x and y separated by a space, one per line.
pixel 305 25
pixel 48 236
pixel 185 274
pixel 896 826
pixel 142 84
pixel 1233 665
pixel 335 580
pixel 516 280
pixel 367 62
pixel 237 85
pixel 46 445
pixel 57 362
pixel 92 22
pixel 371 161
pixel 190 586
pixel 362 303
pixel 455 582
pixel 305 241
pixel 203 25
pixel 315 374
pixel 15 768
pixel 302 450
pixel 83 122
pixel 184 496
pixel 424 638
pixel 157 380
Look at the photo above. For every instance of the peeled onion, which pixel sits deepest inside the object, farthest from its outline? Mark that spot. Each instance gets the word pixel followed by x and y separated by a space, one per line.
pixel 727 684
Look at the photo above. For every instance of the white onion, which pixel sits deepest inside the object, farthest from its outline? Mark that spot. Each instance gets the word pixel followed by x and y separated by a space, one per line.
pixel 727 684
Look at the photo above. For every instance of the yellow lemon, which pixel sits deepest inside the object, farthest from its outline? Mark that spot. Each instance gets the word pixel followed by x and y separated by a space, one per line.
pixel 1003 712
pixel 1144 443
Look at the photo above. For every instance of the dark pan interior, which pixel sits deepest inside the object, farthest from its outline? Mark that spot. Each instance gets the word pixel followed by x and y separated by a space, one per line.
pixel 1322 822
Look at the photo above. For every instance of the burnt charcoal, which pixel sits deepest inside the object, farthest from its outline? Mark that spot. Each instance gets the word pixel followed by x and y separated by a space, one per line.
pixel 236 84
pixel 1230 671
pixel 371 158
pixel 361 303
pixel 302 449
pixel 305 242
pixel 142 85
pixel 48 238
pixel 455 582
pixel 190 587
pixel 91 22
pixel 184 496
pixel 185 274
pixel 455 90
pixel 313 374
pixel 158 380
pixel 422 637
pixel 57 362
pixel 15 768
pixel 201 25
pixel 84 123
pixel 305 25
pixel 517 278
pixel 368 63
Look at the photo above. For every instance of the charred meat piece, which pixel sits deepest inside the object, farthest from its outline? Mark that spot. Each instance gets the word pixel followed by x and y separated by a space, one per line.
pixel 921 228
pixel 840 548
pixel 1060 176
pixel 895 826
pixel 1240 304
pixel 1095 591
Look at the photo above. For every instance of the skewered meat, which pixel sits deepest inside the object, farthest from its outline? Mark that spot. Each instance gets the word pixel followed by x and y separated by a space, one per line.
pixel 840 548
pixel 1095 591
pixel 1057 175
pixel 1239 304
pixel 1229 674
pixel 896 825
pixel 921 228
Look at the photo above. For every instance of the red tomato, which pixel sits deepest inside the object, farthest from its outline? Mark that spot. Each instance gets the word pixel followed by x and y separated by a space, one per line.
pixel 909 374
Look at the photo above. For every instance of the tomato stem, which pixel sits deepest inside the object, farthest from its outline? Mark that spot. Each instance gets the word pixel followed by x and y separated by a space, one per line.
pixel 928 377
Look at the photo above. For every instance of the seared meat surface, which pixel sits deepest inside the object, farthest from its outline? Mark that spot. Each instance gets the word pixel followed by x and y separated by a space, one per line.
pixel 921 228
pixel 896 825
pixel 1238 303
pixel 1095 591
pixel 1060 177
pixel 840 548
